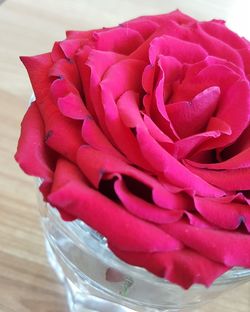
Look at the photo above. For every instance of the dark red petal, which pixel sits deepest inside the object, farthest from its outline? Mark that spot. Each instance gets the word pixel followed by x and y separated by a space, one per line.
pixel 155 131
pixel 227 247
pixel 65 69
pixel 32 153
pixel 57 52
pixel 38 69
pixel 184 267
pixel 62 134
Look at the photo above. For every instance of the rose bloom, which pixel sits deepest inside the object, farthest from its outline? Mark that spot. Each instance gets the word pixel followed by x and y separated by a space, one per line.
pixel 142 131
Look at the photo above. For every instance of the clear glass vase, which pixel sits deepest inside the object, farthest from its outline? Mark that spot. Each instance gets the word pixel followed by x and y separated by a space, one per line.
pixel 96 280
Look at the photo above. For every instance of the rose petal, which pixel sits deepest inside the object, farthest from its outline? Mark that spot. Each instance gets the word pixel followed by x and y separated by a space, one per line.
pixel 92 65
pixel 70 47
pixel 128 109
pixel 227 216
pixel 154 103
pixel 221 32
pixel 228 180
pixel 214 46
pixel 62 134
pixel 143 209
pixel 192 117
pixel 94 164
pixel 183 51
pixel 202 75
pixel 245 55
pixel 76 198
pixel 184 267
pixel 242 160
pixel 226 247
pixel 142 25
pixel 236 116
pixel 129 73
pixel 242 144
pixel 32 154
pixel 57 52
pixel 68 99
pixel 172 169
pixel 66 69
pixel 38 69
pixel 119 39
pixel 155 131
pixel 92 135
pixel 196 220
pixel 186 147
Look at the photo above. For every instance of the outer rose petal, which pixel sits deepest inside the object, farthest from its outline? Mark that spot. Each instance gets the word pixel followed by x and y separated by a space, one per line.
pixel 214 46
pixel 119 39
pixel 228 180
pixel 183 267
pixel 38 68
pixel 62 134
pixel 32 154
pixel 183 51
pixel 70 47
pixel 227 247
pixel 225 215
pixel 92 66
pixel 65 69
pixel 221 32
pixel 108 218
pixel 143 26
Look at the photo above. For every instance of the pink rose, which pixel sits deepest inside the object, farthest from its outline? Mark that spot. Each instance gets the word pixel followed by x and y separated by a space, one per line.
pixel 142 131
